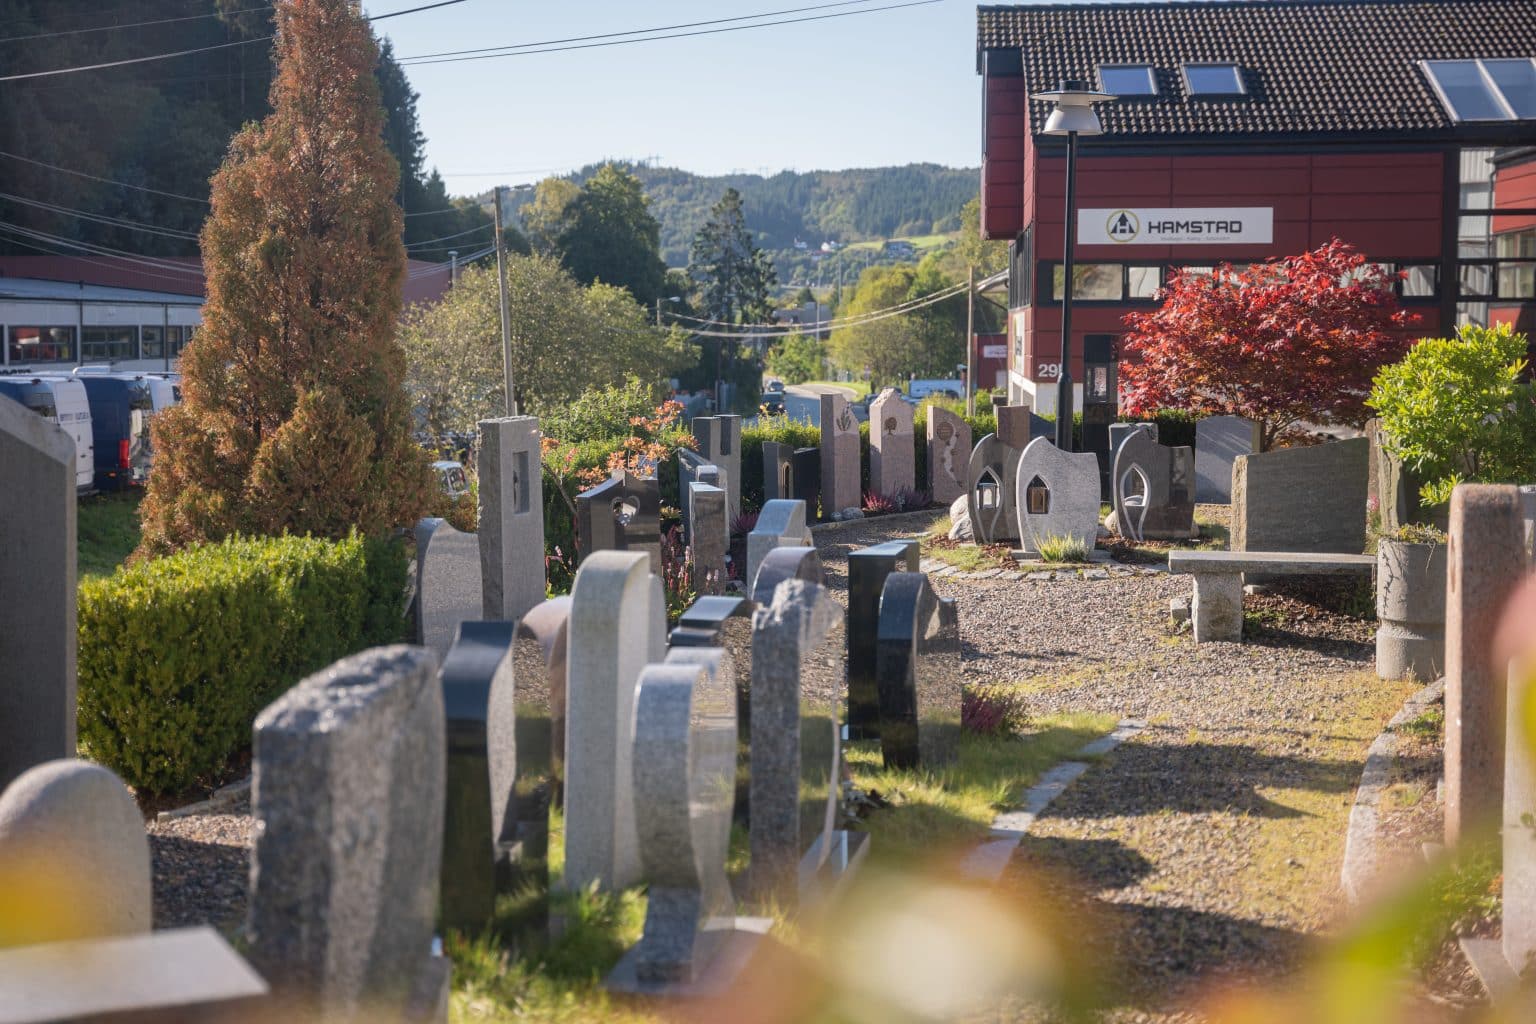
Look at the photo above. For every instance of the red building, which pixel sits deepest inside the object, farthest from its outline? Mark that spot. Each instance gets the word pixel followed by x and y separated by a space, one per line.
pixel 1250 129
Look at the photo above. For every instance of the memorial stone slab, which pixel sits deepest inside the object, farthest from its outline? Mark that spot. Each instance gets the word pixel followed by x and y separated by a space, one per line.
pixel 1017 425
pixel 1485 559
pixel 917 663
pixel 448 583
pixel 719 440
pixel 511 531
pixel 73 830
pixel 949 453
pixel 347 793
pixel 780 524
pixel 839 457
pixel 1057 495
pixel 1154 490
pixel 724 622
pixel 807 481
pixel 37 591
pixel 1519 936
pixel 539 660
pixel 710 537
pixel 991 492
pixel 778 471
pixel 1301 499
pixel 1528 515
pixel 623 513
pixel 1118 432
pixel 617 623
pixel 795 747
pixel 694 468
pixel 892 458
pixel 867 572
pixel 1219 442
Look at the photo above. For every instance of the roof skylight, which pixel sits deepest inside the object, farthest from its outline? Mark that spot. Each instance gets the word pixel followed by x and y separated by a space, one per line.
pixel 1213 80
pixel 1485 90
pixel 1128 79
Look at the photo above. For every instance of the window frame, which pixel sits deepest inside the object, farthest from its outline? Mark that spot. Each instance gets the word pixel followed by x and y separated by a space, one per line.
pixel 42 330
pixel 1151 71
pixel 1489 85
pixel 130 329
pixel 1237 75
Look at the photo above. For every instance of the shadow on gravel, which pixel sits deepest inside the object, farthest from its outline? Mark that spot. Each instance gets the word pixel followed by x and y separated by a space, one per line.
pixel 197 883
pixel 1108 862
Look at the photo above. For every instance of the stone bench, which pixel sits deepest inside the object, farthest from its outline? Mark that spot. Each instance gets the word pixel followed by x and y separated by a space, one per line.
pixel 1217 608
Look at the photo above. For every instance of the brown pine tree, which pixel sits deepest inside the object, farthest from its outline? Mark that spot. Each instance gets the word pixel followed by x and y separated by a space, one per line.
pixel 294 415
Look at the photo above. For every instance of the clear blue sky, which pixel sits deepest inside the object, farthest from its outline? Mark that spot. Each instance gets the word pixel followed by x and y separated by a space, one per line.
pixel 892 87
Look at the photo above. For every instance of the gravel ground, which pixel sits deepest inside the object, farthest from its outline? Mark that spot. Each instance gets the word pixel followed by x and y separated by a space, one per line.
pixel 201 863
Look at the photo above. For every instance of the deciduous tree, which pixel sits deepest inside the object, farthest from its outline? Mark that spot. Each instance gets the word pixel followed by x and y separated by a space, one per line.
pixel 609 235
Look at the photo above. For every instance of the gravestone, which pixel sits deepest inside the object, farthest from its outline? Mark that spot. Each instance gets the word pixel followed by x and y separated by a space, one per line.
pixel 37 591
pixel 1301 499
pixel 795 748
pixel 783 564
pixel 623 513
pixel 448 583
pixel 70 831
pixel 1219 442
pixel 617 627
pixel 1154 490
pixel 917 662
pixel 1528 515
pixel 709 537
pixel 724 622
pixel 538 662
pixel 1118 432
pixel 991 497
pixel 778 471
pixel 348 776
pixel 839 458
pixel 1017 425
pixel 693 468
pixel 1057 495
pixel 719 440
pixel 1485 559
pixel 780 524
pixel 511 528
pixel 807 481
pixel 479 818
pixel 891 438
pixel 949 453
pixel 867 572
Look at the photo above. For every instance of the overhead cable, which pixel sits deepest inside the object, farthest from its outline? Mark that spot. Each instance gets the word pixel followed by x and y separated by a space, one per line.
pixel 133 24
pixel 116 222
pixel 853 320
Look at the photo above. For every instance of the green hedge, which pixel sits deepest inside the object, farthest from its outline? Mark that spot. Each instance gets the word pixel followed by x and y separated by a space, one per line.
pixel 179 654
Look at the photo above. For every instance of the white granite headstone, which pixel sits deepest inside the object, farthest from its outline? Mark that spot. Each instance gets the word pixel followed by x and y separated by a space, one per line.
pixel 1057 495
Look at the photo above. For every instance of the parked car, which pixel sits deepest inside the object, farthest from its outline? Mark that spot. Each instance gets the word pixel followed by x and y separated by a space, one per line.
pixel 774 384
pixel 947 388
pixel 120 407
pixel 773 403
pixel 60 401
pixel 451 478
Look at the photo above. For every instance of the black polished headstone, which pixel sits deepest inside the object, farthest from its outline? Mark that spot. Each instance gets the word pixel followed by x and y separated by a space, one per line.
pixel 867 570
pixel 778 470
pixel 623 513
pixel 807 480
pixel 918 665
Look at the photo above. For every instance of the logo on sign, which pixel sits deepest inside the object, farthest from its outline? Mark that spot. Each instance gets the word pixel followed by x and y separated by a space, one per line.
pixel 1122 226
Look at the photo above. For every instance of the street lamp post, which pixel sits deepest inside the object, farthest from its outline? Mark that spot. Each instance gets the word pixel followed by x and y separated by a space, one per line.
pixel 1072 116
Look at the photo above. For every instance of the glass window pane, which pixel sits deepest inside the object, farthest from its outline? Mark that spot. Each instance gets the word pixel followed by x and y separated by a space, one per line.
pixel 105 343
pixel 1465 91
pixel 42 345
pixel 1128 80
pixel 1516 244
pixel 1091 282
pixel 1220 79
pixel 151 339
pixel 1143 281
pixel 1516 79
pixel 1476 280
pixel 1517 281
pixel 1420 282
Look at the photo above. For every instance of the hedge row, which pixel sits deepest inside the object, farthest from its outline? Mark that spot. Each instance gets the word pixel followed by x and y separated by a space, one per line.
pixel 177 655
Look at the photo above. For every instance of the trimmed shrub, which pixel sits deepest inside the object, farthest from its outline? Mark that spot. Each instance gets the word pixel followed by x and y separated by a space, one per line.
pixel 179 654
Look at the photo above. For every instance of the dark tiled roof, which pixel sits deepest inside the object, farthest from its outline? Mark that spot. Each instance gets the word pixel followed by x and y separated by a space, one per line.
pixel 1310 66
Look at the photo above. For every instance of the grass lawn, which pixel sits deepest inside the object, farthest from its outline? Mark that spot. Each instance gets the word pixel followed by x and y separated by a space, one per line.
pixel 107 531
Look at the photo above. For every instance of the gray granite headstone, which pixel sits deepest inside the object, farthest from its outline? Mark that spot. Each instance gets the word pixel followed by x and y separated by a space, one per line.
pixel 867 572
pixel 1057 494
pixel 839 457
pixel 37 591
pixel 538 660
pixel 892 456
pixel 1118 432
pixel 719 440
pixel 709 537
pixel 347 793
pixel 991 496
pixel 949 454
pixel 1301 499
pixel 778 471
pixel 623 513
pixel 918 668
pixel 726 622
pixel 1153 487
pixel 511 528
pixel 1528 516
pixel 617 624
pixel 694 468
pixel 1519 938
pixel 1219 442
pixel 76 823
pixel 448 583
pixel 780 524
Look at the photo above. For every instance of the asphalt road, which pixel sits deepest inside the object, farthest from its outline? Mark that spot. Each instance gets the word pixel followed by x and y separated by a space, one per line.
pixel 803 401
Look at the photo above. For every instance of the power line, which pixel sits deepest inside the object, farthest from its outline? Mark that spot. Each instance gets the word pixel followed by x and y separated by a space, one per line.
pixel 836 323
pixel 116 222
pixel 133 24
pixel 105 181
pixel 445 238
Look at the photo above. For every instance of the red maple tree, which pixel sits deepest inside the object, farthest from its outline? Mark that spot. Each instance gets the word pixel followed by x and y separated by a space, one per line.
pixel 1292 339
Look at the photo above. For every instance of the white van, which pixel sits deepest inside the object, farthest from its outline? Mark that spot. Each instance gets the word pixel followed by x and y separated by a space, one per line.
pixel 62 401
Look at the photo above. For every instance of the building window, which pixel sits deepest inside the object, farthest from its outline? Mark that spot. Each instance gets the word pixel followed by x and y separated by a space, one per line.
pixel 1091 282
pixel 1128 79
pixel 1517 280
pixel 1213 80
pixel 1485 90
pixel 100 344
pixel 41 345
pixel 1020 254
pixel 1476 280
pixel 1421 281
pixel 152 341
pixel 1143 282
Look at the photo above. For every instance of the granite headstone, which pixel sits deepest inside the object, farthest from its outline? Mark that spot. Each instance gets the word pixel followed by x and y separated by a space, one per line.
pixel 892 456
pixel 1219 442
pixel 991 492
pixel 1057 495
pixel 719 440
pixel 781 523
pixel 949 453
pixel 839 457
pixel 867 572
pixel 448 583
pixel 1153 489
pixel 807 481
pixel 709 537
pixel 917 663
pixel 778 471
pixel 623 513
pixel 511 531
pixel 1301 499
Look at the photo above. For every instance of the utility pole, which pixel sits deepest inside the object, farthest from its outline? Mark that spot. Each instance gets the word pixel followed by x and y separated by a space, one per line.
pixel 453 268
pixel 658 311
pixel 970 342
pixel 501 288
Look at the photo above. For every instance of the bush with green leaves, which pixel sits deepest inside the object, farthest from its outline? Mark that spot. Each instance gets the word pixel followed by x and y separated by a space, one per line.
pixel 603 414
pixel 1459 410
pixel 179 654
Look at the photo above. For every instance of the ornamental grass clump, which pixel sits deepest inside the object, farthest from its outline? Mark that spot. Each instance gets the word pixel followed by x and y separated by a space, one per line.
pixel 992 709
pixel 1063 549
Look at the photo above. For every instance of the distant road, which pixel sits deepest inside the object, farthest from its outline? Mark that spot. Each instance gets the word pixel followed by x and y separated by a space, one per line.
pixel 803 401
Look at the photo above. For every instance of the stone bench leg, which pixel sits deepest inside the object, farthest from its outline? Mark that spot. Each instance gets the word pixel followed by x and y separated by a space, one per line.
pixel 1217 609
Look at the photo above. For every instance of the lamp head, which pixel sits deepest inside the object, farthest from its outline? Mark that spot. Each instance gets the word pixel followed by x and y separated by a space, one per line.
pixel 1073 113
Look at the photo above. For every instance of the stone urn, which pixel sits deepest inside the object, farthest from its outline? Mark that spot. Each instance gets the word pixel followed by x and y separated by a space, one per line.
pixel 1410 610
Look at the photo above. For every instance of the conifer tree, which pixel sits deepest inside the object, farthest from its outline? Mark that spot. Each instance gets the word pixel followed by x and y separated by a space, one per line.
pixel 294 415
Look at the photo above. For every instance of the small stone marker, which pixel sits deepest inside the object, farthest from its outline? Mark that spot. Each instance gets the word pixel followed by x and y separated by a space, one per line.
pixel 778 471
pixel 891 439
pixel 839 457
pixel 1301 499
pixel 709 537
pixel 618 619
pixel 448 583
pixel 623 513
pixel 1219 442
pixel 1485 559
pixel 719 440
pixel 991 492
pixel 949 453
pixel 867 572
pixel 347 796
pixel 71 832
pixel 807 482
pixel 1057 495
pixel 37 590
pixel 918 668
pixel 1153 488
pixel 511 529
pixel 780 524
